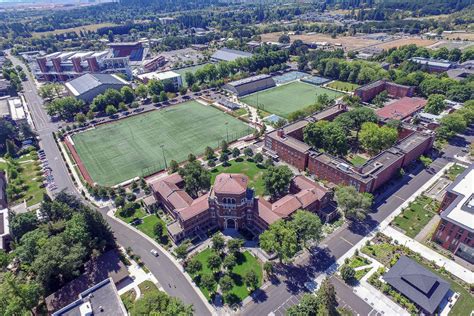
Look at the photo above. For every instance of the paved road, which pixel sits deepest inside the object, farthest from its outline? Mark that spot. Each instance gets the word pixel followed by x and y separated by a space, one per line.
pixel 162 268
pixel 44 127
pixel 291 283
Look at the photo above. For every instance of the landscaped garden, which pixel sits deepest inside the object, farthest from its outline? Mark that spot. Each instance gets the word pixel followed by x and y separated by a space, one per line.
pixel 357 160
pixel 353 268
pixel 453 172
pixel 225 268
pixel 383 250
pixel 416 215
pixel 25 179
pixel 250 168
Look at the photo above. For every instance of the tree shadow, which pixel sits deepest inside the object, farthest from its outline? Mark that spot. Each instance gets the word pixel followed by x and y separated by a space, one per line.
pixel 362 228
pixel 259 296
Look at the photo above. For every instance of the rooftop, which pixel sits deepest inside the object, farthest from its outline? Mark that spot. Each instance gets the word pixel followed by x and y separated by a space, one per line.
pixel 87 82
pixel 420 285
pixel 230 183
pixel 249 80
pixel 17 112
pixel 159 75
pixel 107 265
pixel 432 62
pixel 228 54
pixel 401 108
pixel 101 298
pixel 461 210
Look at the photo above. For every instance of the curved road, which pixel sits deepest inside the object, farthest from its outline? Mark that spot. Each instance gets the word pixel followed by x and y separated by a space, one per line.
pixel 162 268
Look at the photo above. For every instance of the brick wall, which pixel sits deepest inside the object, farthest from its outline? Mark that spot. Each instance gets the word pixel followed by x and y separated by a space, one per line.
pixel 449 236
pixel 388 173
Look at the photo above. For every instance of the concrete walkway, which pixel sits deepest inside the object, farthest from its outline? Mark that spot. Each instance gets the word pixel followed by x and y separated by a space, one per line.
pixel 382 226
pixel 428 229
pixel 429 254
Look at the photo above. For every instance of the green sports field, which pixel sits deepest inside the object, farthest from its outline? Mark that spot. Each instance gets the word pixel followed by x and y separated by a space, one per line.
pixel 283 100
pixel 115 152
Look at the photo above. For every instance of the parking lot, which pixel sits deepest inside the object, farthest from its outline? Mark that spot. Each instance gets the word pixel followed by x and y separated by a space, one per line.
pixel 47 171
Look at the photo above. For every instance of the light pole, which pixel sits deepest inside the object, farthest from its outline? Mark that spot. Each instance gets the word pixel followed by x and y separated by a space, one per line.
pixel 227 130
pixel 164 158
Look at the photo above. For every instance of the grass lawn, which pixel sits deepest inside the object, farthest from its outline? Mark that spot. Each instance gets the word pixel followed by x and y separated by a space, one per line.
pixel 357 160
pixel 245 262
pixel 148 224
pixel 360 273
pixel 288 98
pixel 147 287
pixel 358 261
pixel 416 216
pixel 139 213
pixel 191 69
pixel 115 152
pixel 454 171
pixel 251 169
pixel 128 298
pixel 240 112
pixel 29 179
pixel 343 86
pixel 202 257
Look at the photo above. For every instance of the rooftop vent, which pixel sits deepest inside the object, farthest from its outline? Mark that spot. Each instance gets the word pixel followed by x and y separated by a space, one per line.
pixel 344 167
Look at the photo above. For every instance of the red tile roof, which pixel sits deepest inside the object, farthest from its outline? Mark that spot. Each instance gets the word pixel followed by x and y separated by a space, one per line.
pixel 308 193
pixel 402 108
pixel 231 183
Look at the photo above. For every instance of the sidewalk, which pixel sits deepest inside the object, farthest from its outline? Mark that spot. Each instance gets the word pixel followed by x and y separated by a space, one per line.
pixel 211 309
pixel 429 254
pixel 383 225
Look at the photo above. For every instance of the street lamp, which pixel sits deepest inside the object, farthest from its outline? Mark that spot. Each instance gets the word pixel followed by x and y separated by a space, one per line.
pixel 227 130
pixel 164 158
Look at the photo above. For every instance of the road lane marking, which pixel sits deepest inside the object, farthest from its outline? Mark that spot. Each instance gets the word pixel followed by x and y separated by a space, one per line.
pixel 347 241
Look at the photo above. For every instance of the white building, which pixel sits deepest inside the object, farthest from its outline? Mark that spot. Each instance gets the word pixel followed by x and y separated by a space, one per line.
pixel 17 111
pixel 4 229
pixel 162 76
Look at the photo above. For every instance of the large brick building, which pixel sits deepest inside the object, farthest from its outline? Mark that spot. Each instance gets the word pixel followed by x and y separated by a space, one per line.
pixel 455 232
pixel 394 90
pixel 231 204
pixel 287 143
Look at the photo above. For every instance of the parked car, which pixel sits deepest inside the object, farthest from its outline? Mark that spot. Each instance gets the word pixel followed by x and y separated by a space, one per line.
pixel 154 252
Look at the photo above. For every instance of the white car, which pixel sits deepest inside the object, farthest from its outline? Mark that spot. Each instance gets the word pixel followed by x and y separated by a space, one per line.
pixel 154 252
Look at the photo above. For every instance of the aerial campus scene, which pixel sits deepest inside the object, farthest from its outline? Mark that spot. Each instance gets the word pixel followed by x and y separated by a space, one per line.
pixel 214 157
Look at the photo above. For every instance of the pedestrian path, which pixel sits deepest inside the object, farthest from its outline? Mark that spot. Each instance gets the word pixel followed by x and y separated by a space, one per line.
pixel 429 254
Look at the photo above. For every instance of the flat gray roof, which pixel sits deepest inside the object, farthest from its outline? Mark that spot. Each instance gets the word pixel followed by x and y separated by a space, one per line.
pixel 88 82
pixel 101 299
pixel 228 54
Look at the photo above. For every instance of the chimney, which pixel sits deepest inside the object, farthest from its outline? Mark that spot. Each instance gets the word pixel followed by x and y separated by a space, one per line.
pixel 280 133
